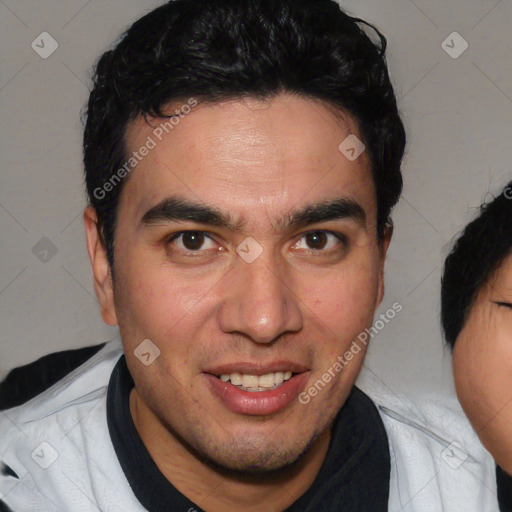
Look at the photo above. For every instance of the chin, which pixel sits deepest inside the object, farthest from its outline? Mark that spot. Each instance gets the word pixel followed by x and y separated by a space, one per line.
pixel 244 461
pixel 249 453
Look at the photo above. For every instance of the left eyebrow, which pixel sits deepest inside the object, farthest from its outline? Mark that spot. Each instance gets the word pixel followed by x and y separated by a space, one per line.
pixel 337 209
pixel 178 209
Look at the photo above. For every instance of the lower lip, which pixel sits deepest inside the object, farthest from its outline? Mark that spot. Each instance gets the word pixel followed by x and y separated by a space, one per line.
pixel 258 403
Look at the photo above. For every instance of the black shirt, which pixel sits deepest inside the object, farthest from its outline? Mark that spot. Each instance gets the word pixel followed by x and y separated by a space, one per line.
pixel 504 490
pixel 353 478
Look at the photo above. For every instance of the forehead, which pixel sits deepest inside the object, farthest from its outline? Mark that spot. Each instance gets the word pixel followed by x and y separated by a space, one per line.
pixel 247 154
pixel 501 279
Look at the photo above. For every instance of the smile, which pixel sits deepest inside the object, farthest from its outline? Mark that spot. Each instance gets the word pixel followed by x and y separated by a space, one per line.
pixel 256 395
pixel 257 383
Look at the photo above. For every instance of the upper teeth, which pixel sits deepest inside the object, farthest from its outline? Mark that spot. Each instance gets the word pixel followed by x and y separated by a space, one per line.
pixel 269 380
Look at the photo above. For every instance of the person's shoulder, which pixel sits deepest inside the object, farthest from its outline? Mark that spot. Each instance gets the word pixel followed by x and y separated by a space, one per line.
pixel 55 432
pixel 78 389
pixel 25 382
pixel 436 457
pixel 423 412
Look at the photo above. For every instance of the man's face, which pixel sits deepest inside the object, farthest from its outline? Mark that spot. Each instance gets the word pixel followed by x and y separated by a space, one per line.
pixel 213 311
pixel 482 362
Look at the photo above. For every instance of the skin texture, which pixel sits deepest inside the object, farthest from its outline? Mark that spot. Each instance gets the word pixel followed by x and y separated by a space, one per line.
pixel 259 161
pixel 482 363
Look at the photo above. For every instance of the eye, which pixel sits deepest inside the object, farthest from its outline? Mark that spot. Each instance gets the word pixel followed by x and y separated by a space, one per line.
pixel 191 241
pixel 503 304
pixel 320 241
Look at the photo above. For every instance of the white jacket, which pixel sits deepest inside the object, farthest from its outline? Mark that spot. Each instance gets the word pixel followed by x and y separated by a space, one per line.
pixel 437 461
pixel 59 445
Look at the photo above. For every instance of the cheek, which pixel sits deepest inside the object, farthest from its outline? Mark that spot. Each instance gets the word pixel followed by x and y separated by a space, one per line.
pixel 482 363
pixel 483 377
pixel 150 300
pixel 345 301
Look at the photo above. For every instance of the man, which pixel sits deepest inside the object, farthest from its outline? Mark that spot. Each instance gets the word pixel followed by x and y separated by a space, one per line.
pixel 242 159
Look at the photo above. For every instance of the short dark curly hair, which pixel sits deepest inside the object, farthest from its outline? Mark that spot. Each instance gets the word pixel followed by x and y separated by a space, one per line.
pixel 214 50
pixel 478 252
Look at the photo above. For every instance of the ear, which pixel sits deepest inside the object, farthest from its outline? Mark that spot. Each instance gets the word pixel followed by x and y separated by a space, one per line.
pixel 383 249
pixel 103 285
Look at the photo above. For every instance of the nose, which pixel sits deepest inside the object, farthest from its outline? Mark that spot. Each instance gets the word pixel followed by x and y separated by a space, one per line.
pixel 259 302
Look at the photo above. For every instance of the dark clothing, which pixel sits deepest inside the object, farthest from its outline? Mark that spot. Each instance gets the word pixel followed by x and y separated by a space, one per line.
pixel 504 490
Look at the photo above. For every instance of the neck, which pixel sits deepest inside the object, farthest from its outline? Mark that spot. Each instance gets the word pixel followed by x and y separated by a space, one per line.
pixel 213 489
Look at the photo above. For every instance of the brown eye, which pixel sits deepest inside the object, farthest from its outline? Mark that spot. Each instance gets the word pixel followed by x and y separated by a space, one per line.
pixel 321 241
pixel 316 240
pixel 193 240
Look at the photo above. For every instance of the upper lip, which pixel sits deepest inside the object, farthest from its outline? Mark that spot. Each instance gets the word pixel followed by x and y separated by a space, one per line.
pixel 253 368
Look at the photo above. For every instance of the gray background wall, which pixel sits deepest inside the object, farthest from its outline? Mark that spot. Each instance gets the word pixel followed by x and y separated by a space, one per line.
pixel 458 113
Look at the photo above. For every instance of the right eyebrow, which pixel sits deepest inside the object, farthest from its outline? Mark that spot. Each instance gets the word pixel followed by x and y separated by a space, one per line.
pixel 177 209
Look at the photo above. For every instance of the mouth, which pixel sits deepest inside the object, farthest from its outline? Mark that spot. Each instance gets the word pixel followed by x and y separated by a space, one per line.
pixel 257 383
pixel 256 391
